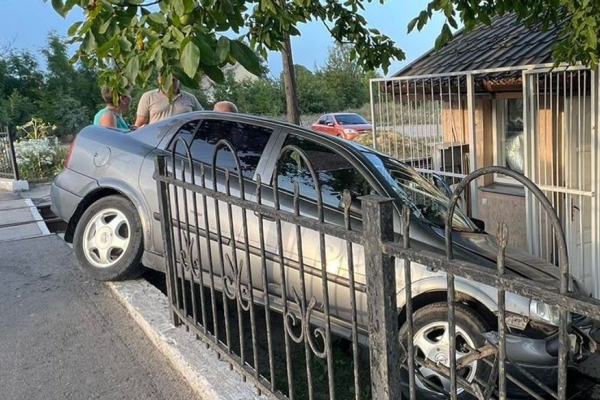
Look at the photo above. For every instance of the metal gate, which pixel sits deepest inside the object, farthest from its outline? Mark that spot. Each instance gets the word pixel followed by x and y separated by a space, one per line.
pixel 8 161
pixel 427 122
pixel 560 111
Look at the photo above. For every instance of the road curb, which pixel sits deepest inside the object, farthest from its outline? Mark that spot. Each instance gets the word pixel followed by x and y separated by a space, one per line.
pixel 208 376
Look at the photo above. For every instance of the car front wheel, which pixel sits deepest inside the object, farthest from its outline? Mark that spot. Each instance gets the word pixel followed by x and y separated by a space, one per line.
pixel 108 241
pixel 432 342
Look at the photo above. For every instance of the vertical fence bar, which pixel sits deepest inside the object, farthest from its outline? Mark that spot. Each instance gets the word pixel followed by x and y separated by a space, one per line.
pixel 473 139
pixel 502 238
pixel 160 168
pixel 373 120
pixel 265 282
pixel 409 306
pixel 381 293
pixel 347 198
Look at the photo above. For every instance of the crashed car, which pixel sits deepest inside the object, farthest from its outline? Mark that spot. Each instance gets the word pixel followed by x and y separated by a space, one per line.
pixel 107 195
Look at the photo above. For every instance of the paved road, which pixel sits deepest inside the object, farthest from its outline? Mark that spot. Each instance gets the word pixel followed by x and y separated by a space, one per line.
pixel 63 336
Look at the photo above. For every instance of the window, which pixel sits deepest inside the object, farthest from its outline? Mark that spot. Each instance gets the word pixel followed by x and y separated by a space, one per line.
pixel 322 120
pixel 334 172
pixel 509 138
pixel 350 119
pixel 248 141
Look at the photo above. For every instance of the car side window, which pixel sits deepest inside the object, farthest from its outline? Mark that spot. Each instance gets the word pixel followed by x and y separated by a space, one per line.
pixel 328 119
pixel 248 141
pixel 334 173
pixel 322 120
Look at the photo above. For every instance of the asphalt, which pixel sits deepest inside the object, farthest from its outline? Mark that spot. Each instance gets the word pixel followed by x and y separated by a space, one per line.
pixel 64 336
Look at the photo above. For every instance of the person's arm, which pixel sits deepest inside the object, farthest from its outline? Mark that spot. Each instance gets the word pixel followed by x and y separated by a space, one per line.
pixel 143 111
pixel 196 104
pixel 108 119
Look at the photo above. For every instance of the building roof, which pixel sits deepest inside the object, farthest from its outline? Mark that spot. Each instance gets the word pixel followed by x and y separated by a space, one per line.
pixel 504 43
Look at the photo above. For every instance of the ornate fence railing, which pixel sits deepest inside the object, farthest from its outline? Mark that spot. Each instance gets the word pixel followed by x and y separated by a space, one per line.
pixel 8 162
pixel 311 302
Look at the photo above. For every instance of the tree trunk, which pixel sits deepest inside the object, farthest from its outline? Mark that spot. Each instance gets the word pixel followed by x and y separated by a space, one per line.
pixel 289 82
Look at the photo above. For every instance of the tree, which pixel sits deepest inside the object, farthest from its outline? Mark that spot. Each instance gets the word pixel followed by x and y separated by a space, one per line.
pixel 186 38
pixel 344 78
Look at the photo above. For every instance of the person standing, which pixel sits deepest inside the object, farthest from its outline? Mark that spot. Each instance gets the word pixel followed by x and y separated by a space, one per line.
pixel 111 115
pixel 155 106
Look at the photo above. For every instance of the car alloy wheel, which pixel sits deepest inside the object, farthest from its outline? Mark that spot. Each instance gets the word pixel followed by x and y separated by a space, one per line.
pixel 106 238
pixel 432 342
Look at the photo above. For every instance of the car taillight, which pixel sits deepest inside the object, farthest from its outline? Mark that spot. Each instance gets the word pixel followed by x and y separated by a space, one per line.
pixel 69 153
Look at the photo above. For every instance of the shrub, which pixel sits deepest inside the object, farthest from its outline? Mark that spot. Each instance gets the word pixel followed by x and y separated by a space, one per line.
pixel 39 159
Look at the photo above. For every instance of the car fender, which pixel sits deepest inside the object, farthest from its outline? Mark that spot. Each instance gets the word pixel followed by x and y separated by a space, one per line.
pixel 439 283
pixel 135 197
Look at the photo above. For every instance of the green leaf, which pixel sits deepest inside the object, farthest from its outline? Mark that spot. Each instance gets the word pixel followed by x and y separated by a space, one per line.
pixel 185 79
pixel 246 57
pixel 89 43
pixel 132 68
pixel 209 57
pixel 73 28
pixel 412 24
pixel 159 18
pixel 215 74
pixel 223 48
pixel 125 44
pixel 190 58
pixel 178 6
pixel 104 27
pixel 59 6
pixel 188 6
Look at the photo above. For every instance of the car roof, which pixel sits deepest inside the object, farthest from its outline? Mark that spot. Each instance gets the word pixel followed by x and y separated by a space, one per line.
pixel 172 123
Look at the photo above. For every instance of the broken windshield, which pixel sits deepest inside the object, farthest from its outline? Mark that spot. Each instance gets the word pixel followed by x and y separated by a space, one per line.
pixel 427 202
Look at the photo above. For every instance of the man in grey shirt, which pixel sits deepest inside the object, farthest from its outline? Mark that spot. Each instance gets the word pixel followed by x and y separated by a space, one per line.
pixel 154 105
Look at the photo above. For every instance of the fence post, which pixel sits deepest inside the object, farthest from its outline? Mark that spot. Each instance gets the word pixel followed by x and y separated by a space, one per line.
pixel 13 156
pixel 164 202
pixel 384 346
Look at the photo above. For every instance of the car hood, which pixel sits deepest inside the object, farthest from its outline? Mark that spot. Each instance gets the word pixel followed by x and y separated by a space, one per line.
pixel 517 261
pixel 358 127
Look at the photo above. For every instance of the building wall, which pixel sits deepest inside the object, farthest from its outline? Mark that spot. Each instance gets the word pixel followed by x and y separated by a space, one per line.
pixel 495 208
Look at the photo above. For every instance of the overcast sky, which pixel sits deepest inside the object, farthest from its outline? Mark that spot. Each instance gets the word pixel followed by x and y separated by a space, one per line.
pixel 26 23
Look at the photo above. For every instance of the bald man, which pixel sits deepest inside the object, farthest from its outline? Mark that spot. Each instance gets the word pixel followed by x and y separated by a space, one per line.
pixel 225 106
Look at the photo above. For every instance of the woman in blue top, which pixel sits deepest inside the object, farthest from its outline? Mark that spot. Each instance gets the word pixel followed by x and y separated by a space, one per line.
pixel 110 116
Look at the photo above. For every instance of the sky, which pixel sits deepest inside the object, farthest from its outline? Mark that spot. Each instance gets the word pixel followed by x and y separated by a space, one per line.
pixel 26 24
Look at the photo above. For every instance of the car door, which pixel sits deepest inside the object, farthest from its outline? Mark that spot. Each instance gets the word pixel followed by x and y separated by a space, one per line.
pixel 336 172
pixel 199 138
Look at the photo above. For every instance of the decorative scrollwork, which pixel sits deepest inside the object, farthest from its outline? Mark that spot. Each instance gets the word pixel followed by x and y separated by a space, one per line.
pixel 187 257
pixel 233 287
pixel 291 321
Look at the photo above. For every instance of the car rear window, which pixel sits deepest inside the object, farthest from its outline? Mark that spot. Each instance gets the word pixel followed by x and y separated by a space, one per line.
pixel 248 141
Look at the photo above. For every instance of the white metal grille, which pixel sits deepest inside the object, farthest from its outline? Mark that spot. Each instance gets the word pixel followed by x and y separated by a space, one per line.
pixel 560 108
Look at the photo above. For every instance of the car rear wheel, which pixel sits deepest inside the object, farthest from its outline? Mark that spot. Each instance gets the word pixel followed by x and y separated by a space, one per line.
pixel 108 241
pixel 431 341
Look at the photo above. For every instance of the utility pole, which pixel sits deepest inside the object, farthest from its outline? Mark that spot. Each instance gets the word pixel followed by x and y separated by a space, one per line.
pixel 289 82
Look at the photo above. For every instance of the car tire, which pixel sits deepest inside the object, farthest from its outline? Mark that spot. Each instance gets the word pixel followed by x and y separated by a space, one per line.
pixel 429 323
pixel 108 240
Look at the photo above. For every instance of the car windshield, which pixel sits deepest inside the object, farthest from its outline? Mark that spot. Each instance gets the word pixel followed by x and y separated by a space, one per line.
pixel 427 202
pixel 350 119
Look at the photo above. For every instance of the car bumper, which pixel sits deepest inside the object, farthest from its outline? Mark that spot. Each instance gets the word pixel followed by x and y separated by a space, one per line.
pixel 64 203
pixel 67 190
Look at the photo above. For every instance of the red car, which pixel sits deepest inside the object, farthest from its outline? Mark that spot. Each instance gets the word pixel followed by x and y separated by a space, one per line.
pixel 346 125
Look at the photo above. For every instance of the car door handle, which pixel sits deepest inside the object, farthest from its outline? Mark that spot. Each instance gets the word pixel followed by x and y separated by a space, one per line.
pixel 265 217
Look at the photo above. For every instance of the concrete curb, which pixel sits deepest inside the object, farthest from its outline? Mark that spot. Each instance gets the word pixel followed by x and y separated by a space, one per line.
pixel 208 376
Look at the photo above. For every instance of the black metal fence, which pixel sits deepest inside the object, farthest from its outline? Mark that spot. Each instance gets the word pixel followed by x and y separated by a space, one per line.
pixel 8 161
pixel 311 302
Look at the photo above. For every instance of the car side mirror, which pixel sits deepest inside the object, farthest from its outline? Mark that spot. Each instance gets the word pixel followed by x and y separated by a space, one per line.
pixel 330 124
pixel 480 224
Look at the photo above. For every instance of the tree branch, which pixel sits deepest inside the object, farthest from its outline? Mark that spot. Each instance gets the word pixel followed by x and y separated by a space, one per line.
pixel 128 4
